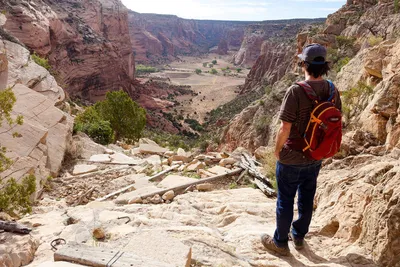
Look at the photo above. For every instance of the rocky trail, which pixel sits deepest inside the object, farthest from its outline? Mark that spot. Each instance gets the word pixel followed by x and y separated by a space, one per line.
pixel 208 225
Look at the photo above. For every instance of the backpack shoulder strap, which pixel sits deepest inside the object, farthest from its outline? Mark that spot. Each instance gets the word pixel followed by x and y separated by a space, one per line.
pixel 308 90
pixel 332 91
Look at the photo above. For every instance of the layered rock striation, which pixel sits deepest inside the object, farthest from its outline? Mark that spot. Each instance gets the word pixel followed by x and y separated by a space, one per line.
pixel 87 42
pixel 45 135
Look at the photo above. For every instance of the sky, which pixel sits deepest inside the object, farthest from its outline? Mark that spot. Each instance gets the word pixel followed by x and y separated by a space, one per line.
pixel 250 10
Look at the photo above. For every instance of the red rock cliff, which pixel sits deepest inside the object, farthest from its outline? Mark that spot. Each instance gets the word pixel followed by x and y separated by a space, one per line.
pixel 87 42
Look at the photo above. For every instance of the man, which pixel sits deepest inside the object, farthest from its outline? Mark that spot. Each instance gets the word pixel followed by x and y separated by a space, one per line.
pixel 295 172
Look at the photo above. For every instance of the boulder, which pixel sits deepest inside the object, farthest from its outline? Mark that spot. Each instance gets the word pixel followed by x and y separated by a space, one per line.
pixel 217 170
pixel 227 161
pixel 175 180
pixel 152 149
pixel 101 158
pixel 82 169
pixel 169 195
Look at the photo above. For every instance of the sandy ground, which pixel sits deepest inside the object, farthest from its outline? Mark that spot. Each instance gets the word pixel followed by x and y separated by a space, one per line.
pixel 213 90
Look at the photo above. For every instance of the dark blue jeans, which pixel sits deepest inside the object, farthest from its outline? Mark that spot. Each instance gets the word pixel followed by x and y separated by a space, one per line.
pixel 290 179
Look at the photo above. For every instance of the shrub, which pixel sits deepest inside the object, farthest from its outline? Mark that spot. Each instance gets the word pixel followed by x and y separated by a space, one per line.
pixel 396 6
pixel 352 99
pixel 344 42
pixel 374 40
pixel 205 64
pixel 341 63
pixel 194 124
pixel 126 117
pixel 41 61
pixel 214 71
pixel 214 62
pixel 96 128
pixel 210 65
pixel 238 70
pixel 142 69
pixel 7 101
pixel 15 197
pixel 269 164
pixel 198 71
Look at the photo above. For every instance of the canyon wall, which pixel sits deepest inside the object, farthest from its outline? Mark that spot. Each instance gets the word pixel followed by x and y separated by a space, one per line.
pixel 160 38
pixel 46 134
pixel 87 42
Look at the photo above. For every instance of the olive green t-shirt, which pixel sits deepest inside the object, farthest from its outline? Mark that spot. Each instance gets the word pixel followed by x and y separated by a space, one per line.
pixel 296 109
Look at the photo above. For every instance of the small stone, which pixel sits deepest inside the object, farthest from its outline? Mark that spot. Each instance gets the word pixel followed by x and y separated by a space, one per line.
pixel 169 154
pixel 227 161
pixel 204 187
pixel 136 200
pixel 165 162
pixel 35 225
pixel 181 152
pixel 109 151
pixel 168 195
pixel 156 199
pixel 99 233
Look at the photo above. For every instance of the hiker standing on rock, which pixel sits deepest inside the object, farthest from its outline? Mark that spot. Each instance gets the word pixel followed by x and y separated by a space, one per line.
pixel 310 131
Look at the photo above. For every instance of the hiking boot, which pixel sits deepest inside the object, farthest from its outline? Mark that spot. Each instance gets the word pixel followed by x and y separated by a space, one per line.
pixel 298 242
pixel 269 244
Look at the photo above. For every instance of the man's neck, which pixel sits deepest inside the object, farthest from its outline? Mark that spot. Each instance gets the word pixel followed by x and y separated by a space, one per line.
pixel 311 78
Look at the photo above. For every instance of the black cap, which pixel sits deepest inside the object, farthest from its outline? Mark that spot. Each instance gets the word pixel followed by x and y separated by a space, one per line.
pixel 313 51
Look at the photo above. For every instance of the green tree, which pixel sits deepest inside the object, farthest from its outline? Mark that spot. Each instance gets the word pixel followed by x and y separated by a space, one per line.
pixel 13 196
pixel 238 70
pixel 198 71
pixel 94 126
pixel 214 62
pixel 214 71
pixel 7 101
pixel 126 117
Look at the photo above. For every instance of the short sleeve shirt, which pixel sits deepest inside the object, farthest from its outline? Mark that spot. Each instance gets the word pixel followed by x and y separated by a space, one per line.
pixel 296 108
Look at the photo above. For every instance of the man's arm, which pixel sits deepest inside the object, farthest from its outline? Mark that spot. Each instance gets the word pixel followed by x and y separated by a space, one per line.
pixel 282 136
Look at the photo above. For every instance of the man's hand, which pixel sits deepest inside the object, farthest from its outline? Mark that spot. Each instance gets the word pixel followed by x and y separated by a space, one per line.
pixel 282 136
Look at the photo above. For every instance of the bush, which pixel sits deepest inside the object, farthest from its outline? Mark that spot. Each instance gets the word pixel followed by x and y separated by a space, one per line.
pixel 238 70
pixel 210 65
pixel 16 197
pixel 214 71
pixel 341 63
pixel 142 69
pixel 214 62
pixel 352 99
pixel 90 122
pixel 126 117
pixel 374 40
pixel 194 124
pixel 198 71
pixel 396 6
pixel 41 61
pixel 205 64
pixel 344 42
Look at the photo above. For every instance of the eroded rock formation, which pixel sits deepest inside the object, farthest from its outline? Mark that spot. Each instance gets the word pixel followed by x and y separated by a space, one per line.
pixel 46 132
pixel 87 42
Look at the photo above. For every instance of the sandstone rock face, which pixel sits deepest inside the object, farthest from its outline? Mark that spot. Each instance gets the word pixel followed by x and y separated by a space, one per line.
pixel 253 44
pixel 159 38
pixel 273 63
pixel 46 133
pixel 87 42
pixel 358 203
pixel 17 250
pixel 379 67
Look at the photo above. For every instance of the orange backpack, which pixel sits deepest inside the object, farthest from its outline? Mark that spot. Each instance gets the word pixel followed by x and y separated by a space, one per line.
pixel 323 134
